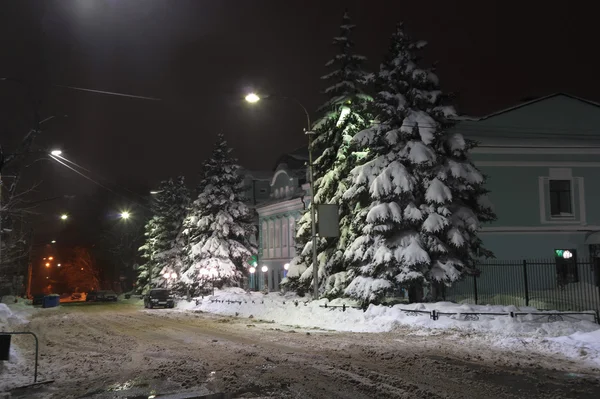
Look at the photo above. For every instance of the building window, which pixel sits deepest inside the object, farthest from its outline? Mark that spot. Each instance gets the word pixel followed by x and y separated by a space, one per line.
pixel 263 190
pixel 561 198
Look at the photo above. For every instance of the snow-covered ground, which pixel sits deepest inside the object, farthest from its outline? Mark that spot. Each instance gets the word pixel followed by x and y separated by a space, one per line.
pixel 120 350
pixel 13 317
pixel 576 337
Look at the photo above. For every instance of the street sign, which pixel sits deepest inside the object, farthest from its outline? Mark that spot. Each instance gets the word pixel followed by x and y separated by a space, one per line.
pixel 328 220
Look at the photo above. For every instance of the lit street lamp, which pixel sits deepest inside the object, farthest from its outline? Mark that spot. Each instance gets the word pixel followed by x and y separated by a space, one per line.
pixel 56 153
pixel 254 98
pixel 53 242
pixel 252 270
pixel 125 215
pixel 265 269
pixel 64 216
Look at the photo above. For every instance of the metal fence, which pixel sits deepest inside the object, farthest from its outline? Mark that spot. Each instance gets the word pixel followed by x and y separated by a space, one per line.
pixel 552 284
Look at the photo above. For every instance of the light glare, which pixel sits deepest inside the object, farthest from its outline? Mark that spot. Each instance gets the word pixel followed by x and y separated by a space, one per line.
pixel 264 269
pixel 56 153
pixel 125 215
pixel 252 98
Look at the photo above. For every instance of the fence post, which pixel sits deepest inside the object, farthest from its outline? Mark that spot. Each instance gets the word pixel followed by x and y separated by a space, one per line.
pixel 475 287
pixel 525 282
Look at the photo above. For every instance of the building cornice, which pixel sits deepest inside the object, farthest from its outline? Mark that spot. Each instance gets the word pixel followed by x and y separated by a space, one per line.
pixel 294 204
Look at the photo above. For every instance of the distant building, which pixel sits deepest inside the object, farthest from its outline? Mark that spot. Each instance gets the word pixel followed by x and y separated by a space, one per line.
pixel 277 217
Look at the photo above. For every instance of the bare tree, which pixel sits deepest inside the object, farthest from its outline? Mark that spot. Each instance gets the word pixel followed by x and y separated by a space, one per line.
pixel 80 272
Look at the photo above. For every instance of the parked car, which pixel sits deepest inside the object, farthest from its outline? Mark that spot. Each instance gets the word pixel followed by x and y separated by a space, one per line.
pixel 76 296
pixel 91 296
pixel 109 296
pixel 159 297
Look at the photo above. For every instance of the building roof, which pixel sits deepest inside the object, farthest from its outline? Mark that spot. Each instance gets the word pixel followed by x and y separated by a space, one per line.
pixel 536 100
pixel 265 175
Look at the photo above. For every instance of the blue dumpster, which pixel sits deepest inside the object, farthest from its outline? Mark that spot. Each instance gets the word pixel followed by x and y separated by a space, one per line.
pixel 51 301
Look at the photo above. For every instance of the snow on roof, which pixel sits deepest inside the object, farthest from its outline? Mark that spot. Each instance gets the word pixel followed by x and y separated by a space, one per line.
pixel 526 103
pixel 256 174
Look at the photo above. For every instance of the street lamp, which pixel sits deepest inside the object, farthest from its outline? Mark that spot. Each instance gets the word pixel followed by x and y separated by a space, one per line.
pixel 125 215
pixel 64 216
pixel 254 98
pixel 56 153
pixel 53 242
pixel 154 192
pixel 47 264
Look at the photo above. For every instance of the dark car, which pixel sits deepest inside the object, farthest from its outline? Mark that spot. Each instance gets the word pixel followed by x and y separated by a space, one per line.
pixel 109 296
pixel 38 299
pixel 159 297
pixel 91 296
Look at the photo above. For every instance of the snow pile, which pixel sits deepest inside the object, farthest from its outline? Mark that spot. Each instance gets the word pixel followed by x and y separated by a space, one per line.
pixel 578 337
pixel 12 372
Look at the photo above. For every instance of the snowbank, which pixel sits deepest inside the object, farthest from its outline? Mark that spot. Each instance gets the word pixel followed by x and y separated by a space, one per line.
pixel 11 319
pixel 573 337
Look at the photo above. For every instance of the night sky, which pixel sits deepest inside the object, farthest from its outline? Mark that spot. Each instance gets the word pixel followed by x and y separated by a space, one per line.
pixel 200 57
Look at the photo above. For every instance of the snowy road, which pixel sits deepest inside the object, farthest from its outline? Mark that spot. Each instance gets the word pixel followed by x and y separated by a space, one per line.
pixel 121 350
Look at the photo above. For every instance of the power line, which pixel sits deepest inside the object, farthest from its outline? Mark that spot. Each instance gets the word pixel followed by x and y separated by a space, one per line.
pixel 96 182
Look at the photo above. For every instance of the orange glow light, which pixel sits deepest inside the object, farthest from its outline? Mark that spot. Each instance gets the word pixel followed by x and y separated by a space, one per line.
pixel 51 258
pixel 82 268
pixel 47 264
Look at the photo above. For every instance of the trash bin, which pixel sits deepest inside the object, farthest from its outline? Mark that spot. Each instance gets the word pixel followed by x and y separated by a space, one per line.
pixel 51 301
pixel 4 346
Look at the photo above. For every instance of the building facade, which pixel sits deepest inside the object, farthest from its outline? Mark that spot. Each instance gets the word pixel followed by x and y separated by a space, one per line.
pixel 277 217
pixel 542 161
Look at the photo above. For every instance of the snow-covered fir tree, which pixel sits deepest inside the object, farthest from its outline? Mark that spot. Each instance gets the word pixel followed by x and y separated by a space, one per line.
pixel 421 199
pixel 163 245
pixel 344 114
pixel 219 226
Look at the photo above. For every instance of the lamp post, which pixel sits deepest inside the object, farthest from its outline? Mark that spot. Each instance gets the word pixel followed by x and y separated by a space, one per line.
pixel 252 271
pixel 265 269
pixel 254 98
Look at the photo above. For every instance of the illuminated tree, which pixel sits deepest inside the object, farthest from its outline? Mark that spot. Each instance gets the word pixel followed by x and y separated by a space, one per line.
pixel 343 114
pixel 219 226
pixel 422 200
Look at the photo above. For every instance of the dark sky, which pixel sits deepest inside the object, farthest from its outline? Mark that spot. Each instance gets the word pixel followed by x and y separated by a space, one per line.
pixel 201 56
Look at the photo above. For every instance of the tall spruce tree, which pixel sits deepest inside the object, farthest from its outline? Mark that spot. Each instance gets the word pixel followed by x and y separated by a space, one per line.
pixel 163 246
pixel 343 114
pixel 219 226
pixel 421 198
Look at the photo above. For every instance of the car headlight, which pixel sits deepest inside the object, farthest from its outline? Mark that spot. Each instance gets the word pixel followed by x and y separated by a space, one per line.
pixel 155 300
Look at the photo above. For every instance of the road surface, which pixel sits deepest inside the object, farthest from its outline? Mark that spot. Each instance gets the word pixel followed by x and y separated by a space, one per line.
pixel 123 351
